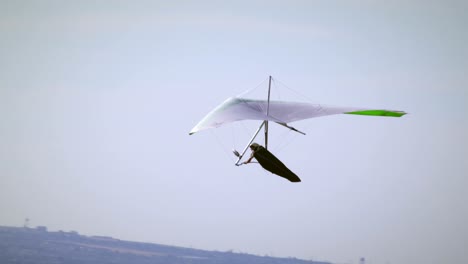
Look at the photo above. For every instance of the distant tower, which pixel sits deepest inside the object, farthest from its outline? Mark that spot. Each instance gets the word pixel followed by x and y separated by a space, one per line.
pixel 26 223
pixel 362 260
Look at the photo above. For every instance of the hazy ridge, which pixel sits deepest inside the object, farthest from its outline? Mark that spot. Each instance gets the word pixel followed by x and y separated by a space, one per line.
pixel 39 246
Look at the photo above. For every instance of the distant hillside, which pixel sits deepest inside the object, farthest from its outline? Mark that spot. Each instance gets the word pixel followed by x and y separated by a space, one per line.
pixel 38 246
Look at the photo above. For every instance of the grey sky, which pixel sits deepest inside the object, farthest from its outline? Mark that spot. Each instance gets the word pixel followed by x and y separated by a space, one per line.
pixel 97 99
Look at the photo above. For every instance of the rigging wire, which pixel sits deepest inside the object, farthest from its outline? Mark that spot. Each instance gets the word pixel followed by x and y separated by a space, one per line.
pixel 223 147
pixel 294 91
pixel 251 89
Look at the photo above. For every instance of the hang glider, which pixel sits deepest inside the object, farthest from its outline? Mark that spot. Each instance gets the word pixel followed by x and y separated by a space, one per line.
pixel 281 112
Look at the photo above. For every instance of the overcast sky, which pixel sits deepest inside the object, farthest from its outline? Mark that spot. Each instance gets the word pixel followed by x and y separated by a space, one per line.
pixel 97 99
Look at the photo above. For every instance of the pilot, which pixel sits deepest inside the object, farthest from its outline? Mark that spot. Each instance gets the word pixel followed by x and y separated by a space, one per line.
pixel 254 147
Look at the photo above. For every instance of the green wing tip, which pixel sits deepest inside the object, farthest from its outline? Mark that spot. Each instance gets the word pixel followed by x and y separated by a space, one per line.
pixel 378 113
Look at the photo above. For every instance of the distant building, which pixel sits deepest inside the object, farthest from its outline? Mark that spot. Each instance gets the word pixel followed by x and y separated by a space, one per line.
pixel 41 228
pixel 362 260
pixel 26 223
pixel 103 238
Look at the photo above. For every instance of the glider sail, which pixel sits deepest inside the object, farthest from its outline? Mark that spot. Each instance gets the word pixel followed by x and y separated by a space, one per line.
pixel 238 108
